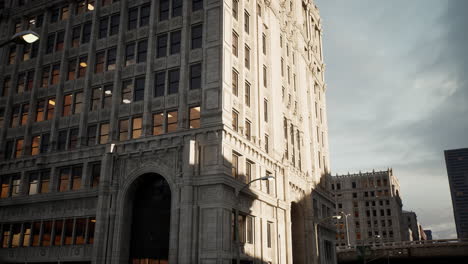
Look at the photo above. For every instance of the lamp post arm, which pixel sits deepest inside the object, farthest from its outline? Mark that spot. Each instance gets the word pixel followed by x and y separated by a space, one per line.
pixel 247 185
pixel 5 43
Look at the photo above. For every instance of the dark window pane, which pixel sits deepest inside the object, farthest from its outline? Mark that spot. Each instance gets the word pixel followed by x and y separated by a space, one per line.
pixel 197 32
pixel 103 25
pixel 195 76
pixel 142 49
pixel 175 42
pixel 144 15
pixel 177 8
pixel 132 18
pixel 197 5
pixel 160 84
pixel 139 92
pixel 173 81
pixel 86 33
pixel 114 25
pixel 163 10
pixel 162 46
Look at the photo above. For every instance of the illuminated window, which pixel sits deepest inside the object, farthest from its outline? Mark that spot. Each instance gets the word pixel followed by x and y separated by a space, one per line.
pixel 137 127
pixel 15 235
pixel 158 120
pixel 99 64
pixel 24 114
pixel 6 235
pixel 194 117
pixel 19 147
pixel 123 129
pixel 64 179
pixel 67 105
pixel 50 108
pixel 26 234
pixel 55 74
pixel 104 133
pixel 172 119
pixel 91 228
pixel 35 143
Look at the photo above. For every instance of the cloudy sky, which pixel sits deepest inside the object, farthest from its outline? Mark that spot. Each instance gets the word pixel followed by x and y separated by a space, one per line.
pixel 397 76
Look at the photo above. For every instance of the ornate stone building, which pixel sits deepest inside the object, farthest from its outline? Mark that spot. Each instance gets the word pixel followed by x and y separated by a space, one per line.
pixel 373 204
pixel 130 129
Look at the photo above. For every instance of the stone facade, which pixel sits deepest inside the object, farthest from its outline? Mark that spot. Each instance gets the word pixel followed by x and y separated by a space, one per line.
pixel 205 94
pixel 373 203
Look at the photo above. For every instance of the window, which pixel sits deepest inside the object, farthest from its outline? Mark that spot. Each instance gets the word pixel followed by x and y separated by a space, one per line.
pixel 235 120
pixel 6 85
pixel 91 135
pixel 269 234
pixel 235 165
pixel 114 24
pixel 158 120
pixel 55 74
pixel 159 84
pixel 2 117
pixel 248 171
pixel 8 149
pixel 82 64
pixel 67 105
pixel 247 57
pixel 235 82
pixel 20 86
pixel 235 8
pixel 172 118
pixel 247 94
pixel 59 41
pixel 10 185
pixel 58 230
pixel 73 139
pixel 35 142
pixel 50 43
pixel 132 18
pixel 265 110
pixel 137 127
pixel 163 10
pixel 249 228
pixel 197 5
pixel 194 117
pixel 69 178
pixel 130 54
pixel 265 76
pixel 104 133
pixel 133 90
pixel 68 232
pixel 267 143
pixel 248 129
pixel 197 35
pixel 111 59
pixel 144 15
pixel 39 182
pixel 95 174
pixel 76 33
pixel 235 43
pixel 177 8
pixel 45 142
pixel 195 76
pixel 99 64
pixel 101 97
pixel 19 147
pixel 72 69
pixel 86 37
pixel 142 50
pixel 161 50
pixel 174 76
pixel 264 48
pixel 175 42
pixel 80 231
pixel 123 129
pixel 12 55
pixel 246 22
pixel 353 184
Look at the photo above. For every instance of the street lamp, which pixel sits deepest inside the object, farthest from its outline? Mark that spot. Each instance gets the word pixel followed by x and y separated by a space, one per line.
pixel 236 223
pixel 23 37
pixel 346 225
pixel 337 217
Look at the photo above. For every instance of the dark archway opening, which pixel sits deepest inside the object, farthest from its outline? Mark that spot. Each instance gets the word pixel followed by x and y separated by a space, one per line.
pixel 149 243
pixel 298 234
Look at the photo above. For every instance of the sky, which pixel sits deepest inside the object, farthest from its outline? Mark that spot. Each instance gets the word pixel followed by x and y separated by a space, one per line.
pixel 397 80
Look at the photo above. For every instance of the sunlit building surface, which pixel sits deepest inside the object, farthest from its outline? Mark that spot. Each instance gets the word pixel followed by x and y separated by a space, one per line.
pixel 457 171
pixel 129 128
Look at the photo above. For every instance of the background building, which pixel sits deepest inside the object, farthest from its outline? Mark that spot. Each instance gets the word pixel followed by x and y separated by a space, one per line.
pixel 410 226
pixel 457 171
pixel 126 106
pixel 373 203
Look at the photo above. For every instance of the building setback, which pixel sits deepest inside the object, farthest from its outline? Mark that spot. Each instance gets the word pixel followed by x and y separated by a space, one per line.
pixel 456 161
pixel 374 206
pixel 130 129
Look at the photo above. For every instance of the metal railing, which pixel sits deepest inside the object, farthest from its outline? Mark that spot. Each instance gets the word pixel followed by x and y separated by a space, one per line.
pixel 406 244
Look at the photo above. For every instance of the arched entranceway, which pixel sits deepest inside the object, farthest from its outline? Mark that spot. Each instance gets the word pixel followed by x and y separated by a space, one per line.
pixel 298 234
pixel 151 210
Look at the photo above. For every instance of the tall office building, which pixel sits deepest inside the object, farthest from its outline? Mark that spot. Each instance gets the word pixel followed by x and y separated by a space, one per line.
pixel 373 205
pixel 457 171
pixel 130 130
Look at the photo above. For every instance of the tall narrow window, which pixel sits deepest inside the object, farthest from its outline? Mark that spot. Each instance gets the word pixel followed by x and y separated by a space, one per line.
pixel 104 133
pixel 111 59
pixel 158 120
pixel 246 22
pixel 247 94
pixel 58 230
pixel 195 76
pixel 235 165
pixel 86 33
pixel 267 144
pixel 71 69
pixel 114 25
pixel 24 114
pixel 46 233
pixel 76 178
pixel 19 148
pixel 235 82
pixel 265 110
pixel 59 41
pixel 67 104
pixel 132 18
pixel 82 64
pixel 172 118
pixel 123 129
pixel 99 64
pixel 139 91
pixel 55 74
pixel 6 85
pixel 127 87
pixel 248 171
pixel 160 83
pixel 95 174
pixel 194 117
pixel 91 135
pixel 26 234
pixel 197 5
pixel 141 51
pixel 177 8
pixel 235 8
pixel 235 120
pixel 174 76
pixel 68 232
pixel 175 42
pixel 130 54
pixel 269 235
pixel 50 108
pixel 247 57
pixel 248 129
pixel 35 142
pixel 76 32
pixel 73 139
pixel 235 44
pixel 80 231
pixel 45 140
pixel 265 76
pixel 45 76
pixel 144 15
pixel 197 36
pixel 161 50
pixel 103 27
pixel 163 10
pixel 264 48
pixel 137 127
pixel 64 179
